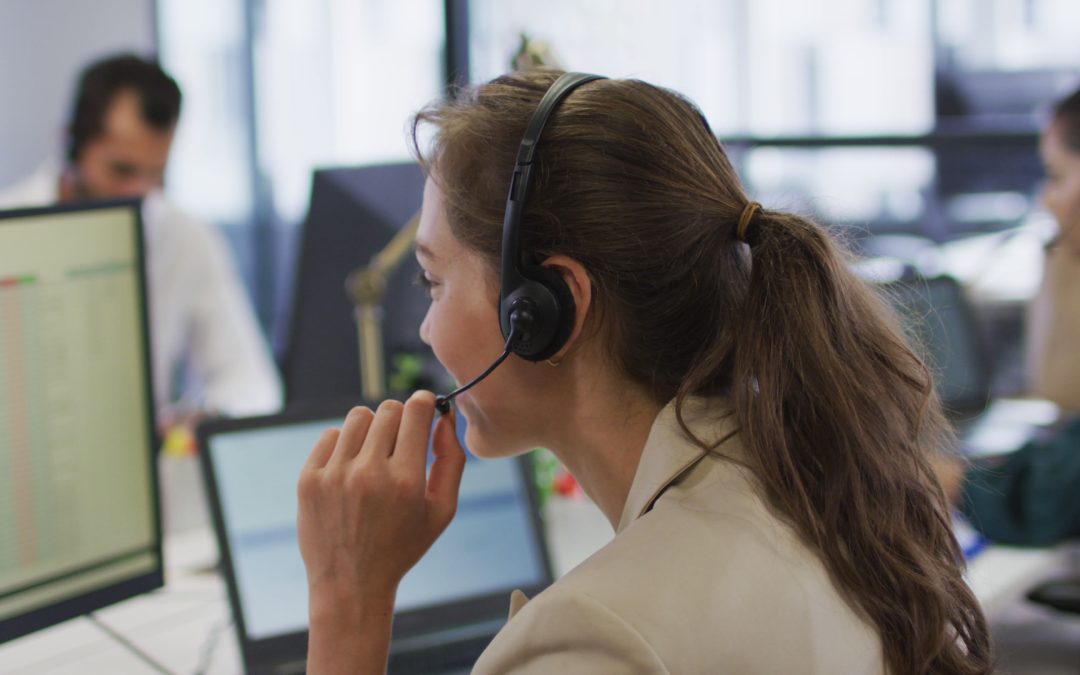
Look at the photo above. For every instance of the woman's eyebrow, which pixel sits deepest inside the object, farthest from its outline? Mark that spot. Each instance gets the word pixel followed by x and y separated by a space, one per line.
pixel 425 250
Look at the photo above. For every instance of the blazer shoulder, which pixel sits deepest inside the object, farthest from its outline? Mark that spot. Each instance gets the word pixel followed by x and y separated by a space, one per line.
pixel 564 630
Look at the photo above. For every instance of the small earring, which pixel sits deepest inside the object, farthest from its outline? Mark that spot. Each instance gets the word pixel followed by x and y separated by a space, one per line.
pixel 553 364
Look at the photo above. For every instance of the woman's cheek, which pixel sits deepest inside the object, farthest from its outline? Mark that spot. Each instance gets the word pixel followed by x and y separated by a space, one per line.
pixel 433 330
pixel 446 343
pixel 1070 237
pixel 1068 217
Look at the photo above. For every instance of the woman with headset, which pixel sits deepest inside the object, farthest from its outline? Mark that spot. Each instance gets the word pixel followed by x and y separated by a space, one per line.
pixel 1028 497
pixel 741 407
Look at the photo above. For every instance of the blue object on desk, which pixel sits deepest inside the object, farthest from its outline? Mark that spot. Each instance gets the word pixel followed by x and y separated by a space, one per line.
pixel 972 543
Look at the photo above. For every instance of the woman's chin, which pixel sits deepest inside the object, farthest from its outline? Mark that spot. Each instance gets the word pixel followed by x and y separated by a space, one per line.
pixel 477 444
pixel 483 446
pixel 483 437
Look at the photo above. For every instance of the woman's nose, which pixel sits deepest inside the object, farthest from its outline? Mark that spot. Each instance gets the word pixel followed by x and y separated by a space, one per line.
pixel 424 329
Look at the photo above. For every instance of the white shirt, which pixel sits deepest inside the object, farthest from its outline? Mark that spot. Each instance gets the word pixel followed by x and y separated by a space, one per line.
pixel 200 317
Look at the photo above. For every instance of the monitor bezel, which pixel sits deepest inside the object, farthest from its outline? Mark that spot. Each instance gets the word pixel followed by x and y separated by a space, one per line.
pixel 22 624
pixel 407 624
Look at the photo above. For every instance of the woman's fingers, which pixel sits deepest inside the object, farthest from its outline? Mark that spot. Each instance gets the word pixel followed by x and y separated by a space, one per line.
pixel 367 512
pixel 410 451
pixel 353 433
pixel 322 451
pixel 383 433
pixel 445 478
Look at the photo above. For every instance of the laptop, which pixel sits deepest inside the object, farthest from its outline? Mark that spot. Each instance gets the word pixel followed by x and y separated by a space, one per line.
pixel 448 607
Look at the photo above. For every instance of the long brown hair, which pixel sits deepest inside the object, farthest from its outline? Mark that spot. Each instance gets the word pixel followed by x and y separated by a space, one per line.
pixel 836 412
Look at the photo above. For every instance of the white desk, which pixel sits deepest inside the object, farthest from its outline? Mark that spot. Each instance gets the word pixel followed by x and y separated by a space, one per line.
pixel 1030 639
pixel 176 624
pixel 172 625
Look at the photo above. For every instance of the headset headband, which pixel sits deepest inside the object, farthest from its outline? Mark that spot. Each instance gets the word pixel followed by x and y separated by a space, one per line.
pixel 515 275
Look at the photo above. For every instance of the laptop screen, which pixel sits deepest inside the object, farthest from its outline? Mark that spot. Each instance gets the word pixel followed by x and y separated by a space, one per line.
pixel 493 545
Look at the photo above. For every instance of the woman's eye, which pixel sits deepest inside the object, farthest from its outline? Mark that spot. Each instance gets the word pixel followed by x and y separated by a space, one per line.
pixel 424 282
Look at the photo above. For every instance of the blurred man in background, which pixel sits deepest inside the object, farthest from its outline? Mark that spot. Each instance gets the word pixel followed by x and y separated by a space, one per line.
pixel 209 355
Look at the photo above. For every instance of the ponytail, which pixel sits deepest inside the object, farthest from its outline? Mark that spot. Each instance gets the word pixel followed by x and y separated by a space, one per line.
pixel 837 413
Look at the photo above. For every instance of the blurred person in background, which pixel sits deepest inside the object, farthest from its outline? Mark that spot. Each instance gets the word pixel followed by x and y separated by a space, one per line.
pixel 209 355
pixel 1032 496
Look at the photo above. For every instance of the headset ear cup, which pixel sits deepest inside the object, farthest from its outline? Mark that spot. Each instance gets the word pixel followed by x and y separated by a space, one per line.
pixel 537 296
pixel 565 309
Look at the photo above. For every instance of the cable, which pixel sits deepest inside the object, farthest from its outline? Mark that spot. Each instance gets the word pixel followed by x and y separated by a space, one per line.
pixel 130 646
pixel 206 652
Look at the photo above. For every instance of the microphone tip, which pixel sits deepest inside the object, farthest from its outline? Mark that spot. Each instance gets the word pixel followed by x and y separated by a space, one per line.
pixel 442 404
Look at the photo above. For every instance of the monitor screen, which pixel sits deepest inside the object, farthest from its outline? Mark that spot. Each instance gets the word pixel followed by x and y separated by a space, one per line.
pixel 492 546
pixel 78 517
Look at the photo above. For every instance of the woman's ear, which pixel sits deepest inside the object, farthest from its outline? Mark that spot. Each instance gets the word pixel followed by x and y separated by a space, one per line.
pixel 581 288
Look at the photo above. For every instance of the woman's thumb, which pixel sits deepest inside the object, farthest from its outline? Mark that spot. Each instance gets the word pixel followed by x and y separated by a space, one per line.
pixel 445 477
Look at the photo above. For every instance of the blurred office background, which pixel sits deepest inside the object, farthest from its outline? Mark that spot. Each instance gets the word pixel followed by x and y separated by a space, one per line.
pixel 916 119
pixel 910 125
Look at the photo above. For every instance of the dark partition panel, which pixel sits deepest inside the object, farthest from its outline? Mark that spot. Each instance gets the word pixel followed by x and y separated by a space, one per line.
pixel 354 213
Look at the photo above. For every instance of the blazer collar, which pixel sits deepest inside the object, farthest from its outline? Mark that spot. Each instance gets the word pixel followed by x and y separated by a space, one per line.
pixel 669 452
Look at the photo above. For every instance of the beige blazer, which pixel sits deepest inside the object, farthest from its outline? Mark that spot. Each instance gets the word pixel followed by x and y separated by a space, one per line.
pixel 701 577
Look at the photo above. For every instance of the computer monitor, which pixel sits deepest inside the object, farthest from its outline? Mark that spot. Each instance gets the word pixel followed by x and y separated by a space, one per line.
pixel 945 331
pixel 79 525
pixel 354 213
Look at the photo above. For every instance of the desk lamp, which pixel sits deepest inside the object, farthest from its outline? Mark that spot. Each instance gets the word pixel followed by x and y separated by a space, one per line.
pixel 366 287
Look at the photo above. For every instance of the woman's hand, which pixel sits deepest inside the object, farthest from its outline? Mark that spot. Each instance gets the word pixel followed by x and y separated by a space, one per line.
pixel 368 511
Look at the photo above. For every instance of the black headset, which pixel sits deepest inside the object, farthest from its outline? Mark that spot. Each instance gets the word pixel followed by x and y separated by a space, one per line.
pixel 536 308
pixel 534 301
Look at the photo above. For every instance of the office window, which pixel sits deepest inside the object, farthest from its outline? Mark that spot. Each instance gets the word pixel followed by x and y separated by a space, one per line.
pixel 883 188
pixel 1003 62
pixel 276 88
pixel 840 67
pixel 202 45
pixel 765 67
pixel 689 45
pixel 1010 35
pixel 336 82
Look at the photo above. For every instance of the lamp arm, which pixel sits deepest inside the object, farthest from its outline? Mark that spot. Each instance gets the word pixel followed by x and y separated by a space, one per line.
pixel 366 287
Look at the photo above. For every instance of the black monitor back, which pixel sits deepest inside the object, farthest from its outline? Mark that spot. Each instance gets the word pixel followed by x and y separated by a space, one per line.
pixel 946 332
pixel 354 213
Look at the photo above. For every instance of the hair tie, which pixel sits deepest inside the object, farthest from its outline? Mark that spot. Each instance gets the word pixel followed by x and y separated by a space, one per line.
pixel 744 220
